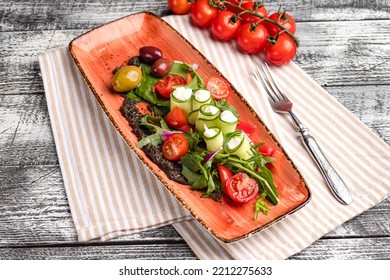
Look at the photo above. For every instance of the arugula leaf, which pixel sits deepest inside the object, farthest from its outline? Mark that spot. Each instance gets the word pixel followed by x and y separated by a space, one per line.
pixel 193 139
pixel 224 105
pixel 154 139
pixel 161 110
pixel 179 68
pixel 196 181
pixel 133 96
pixel 157 124
pixel 192 162
pixel 261 205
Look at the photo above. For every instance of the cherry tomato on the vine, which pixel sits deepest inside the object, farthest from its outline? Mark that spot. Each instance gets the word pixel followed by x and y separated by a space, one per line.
pixel 252 38
pixel 236 3
pixel 175 147
pixel 218 87
pixel 286 20
pixel 225 26
pixel 241 188
pixel 202 14
pixel 180 7
pixel 260 9
pixel 282 51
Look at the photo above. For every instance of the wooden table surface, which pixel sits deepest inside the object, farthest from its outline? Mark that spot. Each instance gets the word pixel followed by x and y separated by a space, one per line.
pixel 345 47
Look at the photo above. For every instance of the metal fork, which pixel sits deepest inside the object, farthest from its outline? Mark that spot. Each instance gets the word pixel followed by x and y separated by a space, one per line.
pixel 281 104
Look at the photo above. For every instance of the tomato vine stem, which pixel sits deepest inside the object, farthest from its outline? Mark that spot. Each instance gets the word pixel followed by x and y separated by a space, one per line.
pixel 254 13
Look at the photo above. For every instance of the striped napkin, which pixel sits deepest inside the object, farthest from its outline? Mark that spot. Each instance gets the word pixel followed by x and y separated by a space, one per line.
pixel 111 193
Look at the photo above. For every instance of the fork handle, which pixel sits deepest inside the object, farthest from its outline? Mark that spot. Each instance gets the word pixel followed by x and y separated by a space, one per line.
pixel 334 181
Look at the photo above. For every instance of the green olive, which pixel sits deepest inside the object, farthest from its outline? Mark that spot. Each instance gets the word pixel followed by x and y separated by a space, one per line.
pixel 127 78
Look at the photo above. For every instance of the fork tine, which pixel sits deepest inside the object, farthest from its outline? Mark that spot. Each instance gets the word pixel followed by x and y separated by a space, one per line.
pixel 271 80
pixel 259 76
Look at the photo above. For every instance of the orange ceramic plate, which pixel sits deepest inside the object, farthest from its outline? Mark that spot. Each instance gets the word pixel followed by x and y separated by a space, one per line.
pixel 99 51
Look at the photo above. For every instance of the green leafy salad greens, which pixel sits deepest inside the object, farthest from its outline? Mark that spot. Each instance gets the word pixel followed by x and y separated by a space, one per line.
pixel 199 166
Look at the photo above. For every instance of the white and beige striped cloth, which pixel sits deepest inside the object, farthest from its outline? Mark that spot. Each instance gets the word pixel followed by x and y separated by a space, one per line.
pixel 111 193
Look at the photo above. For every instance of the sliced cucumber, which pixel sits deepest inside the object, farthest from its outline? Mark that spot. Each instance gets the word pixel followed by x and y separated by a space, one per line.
pixel 208 112
pixel 201 97
pixel 192 117
pixel 213 138
pixel 208 115
pixel 238 144
pixel 227 121
pixel 200 123
pixel 182 97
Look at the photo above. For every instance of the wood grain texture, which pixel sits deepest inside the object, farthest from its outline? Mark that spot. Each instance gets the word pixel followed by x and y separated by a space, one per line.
pixel 348 249
pixel 345 47
pixel 79 14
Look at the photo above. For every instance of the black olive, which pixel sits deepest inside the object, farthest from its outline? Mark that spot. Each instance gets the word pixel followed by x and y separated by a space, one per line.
pixel 134 60
pixel 117 69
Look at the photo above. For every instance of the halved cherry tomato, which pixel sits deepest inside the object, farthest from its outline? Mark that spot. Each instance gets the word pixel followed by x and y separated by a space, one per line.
pixel 180 7
pixel 175 147
pixel 247 127
pixel 241 188
pixel 164 87
pixel 202 14
pixel 266 150
pixel 260 9
pixel 177 119
pixel 218 87
pixel 286 20
pixel 225 26
pixel 224 173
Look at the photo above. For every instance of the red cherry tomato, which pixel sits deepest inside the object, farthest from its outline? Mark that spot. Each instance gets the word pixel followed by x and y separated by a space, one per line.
pixel 180 7
pixel 218 87
pixel 175 147
pixel 225 25
pixel 177 119
pixel 164 87
pixel 260 9
pixel 282 51
pixel 235 2
pixel 224 173
pixel 202 14
pixel 247 127
pixel 251 38
pixel 241 188
pixel 286 20
pixel 266 150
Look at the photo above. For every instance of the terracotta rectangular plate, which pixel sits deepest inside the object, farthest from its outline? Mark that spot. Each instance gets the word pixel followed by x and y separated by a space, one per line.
pixel 99 51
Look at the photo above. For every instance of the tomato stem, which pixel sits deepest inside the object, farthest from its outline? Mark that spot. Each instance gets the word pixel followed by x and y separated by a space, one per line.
pixel 254 13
